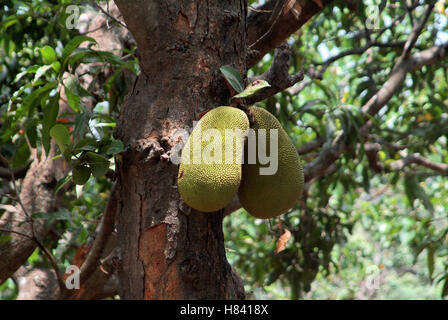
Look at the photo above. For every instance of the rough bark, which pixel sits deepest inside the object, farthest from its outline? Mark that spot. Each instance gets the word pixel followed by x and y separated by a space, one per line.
pixel 167 250
pixel 35 284
pixel 36 195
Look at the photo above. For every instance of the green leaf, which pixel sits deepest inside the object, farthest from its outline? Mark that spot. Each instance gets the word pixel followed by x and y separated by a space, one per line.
pixel 56 66
pixel 72 83
pixel 48 54
pixel 415 191
pixel 73 100
pixel 97 163
pixel 34 97
pixel 445 288
pixel 81 174
pixel 60 134
pixel 52 216
pixel 29 70
pixel 62 182
pixel 253 89
pixel 84 55
pixel 233 78
pixel 10 21
pixel 21 156
pixel 86 144
pixel 31 131
pixel 49 120
pixel 115 147
pixel 72 45
pixel 41 71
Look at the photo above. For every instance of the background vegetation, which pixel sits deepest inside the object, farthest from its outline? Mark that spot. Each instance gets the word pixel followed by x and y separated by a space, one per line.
pixel 374 226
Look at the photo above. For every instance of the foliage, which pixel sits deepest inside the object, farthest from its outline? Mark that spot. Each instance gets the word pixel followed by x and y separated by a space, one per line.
pixel 349 219
pixel 40 63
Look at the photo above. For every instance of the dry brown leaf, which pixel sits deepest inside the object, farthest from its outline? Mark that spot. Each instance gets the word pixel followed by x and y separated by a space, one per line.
pixel 282 241
pixel 288 5
pixel 294 7
pixel 319 3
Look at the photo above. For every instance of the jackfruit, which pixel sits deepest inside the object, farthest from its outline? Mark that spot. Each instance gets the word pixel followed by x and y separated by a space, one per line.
pixel 210 169
pixel 269 195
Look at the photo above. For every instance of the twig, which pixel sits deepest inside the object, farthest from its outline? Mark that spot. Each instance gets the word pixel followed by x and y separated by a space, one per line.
pixel 46 252
pixel 271 26
pixel 108 15
pixel 93 259
pixel 29 218
pixel 419 160
pixel 416 31
pixel 277 75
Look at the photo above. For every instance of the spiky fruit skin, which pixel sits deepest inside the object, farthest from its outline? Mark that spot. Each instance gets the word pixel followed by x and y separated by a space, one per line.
pixel 268 196
pixel 208 187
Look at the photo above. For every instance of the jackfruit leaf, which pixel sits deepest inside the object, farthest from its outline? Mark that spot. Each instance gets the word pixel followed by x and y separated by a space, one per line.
pixel 48 54
pixel 273 276
pixel 72 45
pixel 415 191
pixel 115 147
pixel 252 89
pixel 98 164
pixel 81 174
pixel 445 288
pixel 72 83
pixel 52 216
pixel 232 77
pixel 49 119
pixel 60 134
pixel 282 241
pixel 62 182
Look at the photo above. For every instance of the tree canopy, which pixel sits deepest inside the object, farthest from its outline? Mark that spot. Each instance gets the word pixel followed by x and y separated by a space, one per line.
pixel 365 103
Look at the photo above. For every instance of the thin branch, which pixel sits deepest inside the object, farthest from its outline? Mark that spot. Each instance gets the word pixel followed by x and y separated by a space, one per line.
pixel 318 74
pixel 421 161
pixel 277 75
pixel 310 146
pixel 263 34
pixel 92 261
pixel 18 173
pixel 46 252
pixel 17 191
pixel 253 45
pixel 416 31
pixel 333 151
pixel 107 227
pixel 108 15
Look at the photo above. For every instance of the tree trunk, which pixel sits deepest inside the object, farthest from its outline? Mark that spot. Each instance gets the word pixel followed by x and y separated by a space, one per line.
pixel 169 251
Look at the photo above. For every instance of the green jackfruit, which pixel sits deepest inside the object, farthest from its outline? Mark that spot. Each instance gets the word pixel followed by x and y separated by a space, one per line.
pixel 267 196
pixel 209 176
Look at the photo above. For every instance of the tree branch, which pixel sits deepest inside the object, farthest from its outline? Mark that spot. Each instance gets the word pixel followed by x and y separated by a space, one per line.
pixel 421 161
pixel 36 195
pixel 92 261
pixel 416 31
pixel 277 75
pixel 333 151
pixel 267 31
pixel 310 146
pixel 17 173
